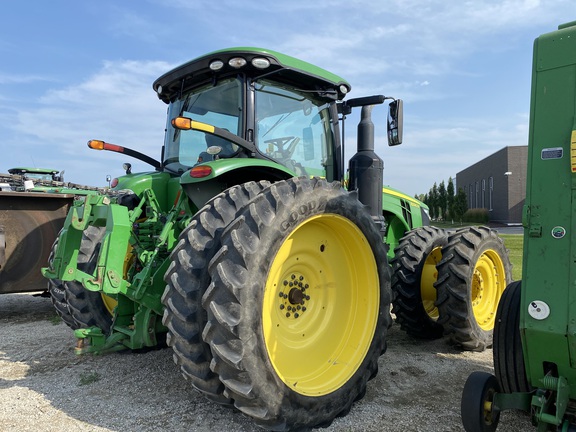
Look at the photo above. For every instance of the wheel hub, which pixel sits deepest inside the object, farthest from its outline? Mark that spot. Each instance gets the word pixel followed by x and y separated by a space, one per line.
pixel 293 296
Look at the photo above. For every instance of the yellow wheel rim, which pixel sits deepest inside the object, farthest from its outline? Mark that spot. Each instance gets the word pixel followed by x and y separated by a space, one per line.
pixel 488 284
pixel 110 303
pixel 321 305
pixel 428 277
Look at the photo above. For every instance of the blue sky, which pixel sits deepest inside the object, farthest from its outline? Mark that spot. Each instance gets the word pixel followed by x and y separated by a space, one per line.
pixel 71 71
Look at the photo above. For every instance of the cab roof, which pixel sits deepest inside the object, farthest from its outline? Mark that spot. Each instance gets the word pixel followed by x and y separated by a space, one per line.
pixel 295 72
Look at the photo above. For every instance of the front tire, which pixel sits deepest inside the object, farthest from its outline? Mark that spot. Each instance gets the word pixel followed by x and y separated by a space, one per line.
pixel 474 271
pixel 298 306
pixel 57 292
pixel 88 308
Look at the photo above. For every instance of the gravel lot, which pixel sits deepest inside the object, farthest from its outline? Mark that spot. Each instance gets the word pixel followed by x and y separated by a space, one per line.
pixel 44 386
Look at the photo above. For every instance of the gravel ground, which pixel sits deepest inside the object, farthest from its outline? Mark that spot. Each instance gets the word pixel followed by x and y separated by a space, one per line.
pixel 44 386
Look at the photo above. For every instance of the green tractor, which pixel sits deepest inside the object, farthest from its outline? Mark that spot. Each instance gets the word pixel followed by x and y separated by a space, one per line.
pixel 535 334
pixel 249 250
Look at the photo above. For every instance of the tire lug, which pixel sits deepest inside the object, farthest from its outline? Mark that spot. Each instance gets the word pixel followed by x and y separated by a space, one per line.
pixel 281 306
pixel 296 315
pixel 303 308
pixel 281 295
pixel 287 314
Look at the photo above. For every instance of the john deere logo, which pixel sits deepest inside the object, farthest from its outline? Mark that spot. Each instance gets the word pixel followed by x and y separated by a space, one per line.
pixel 558 232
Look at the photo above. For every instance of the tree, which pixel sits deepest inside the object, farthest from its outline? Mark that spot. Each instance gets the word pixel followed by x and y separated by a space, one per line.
pixel 460 204
pixel 442 200
pixel 450 198
pixel 433 201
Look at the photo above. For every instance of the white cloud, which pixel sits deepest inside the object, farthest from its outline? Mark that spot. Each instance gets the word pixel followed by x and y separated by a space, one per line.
pixel 116 104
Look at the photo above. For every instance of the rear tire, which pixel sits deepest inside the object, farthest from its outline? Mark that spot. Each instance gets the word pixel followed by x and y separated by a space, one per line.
pixel 509 365
pixel 478 413
pixel 474 271
pixel 298 307
pixel 413 277
pixel 187 279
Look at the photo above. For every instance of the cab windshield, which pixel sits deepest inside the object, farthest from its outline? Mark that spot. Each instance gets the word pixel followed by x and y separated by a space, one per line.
pixel 290 127
pixel 293 128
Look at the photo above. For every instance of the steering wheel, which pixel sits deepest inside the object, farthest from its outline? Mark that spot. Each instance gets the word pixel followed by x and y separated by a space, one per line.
pixel 281 142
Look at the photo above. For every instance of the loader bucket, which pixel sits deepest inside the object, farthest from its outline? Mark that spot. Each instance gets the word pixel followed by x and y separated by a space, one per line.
pixel 29 224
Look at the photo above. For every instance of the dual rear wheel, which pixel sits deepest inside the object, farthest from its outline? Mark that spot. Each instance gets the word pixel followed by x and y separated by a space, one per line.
pixel 450 284
pixel 294 304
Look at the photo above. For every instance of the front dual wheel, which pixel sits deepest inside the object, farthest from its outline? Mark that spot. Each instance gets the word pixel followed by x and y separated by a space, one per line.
pixel 298 304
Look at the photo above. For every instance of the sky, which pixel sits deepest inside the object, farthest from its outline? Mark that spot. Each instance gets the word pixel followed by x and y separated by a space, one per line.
pixel 71 71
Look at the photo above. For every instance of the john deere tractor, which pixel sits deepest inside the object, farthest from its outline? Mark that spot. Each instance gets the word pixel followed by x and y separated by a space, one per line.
pixel 535 334
pixel 249 249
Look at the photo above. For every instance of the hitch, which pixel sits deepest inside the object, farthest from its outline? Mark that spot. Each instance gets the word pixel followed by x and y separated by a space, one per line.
pixel 92 340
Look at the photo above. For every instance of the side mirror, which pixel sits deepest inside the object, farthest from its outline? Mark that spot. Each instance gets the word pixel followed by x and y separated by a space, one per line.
pixel 395 122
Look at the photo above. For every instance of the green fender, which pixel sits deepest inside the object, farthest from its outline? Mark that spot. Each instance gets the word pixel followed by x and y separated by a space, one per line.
pixel 402 214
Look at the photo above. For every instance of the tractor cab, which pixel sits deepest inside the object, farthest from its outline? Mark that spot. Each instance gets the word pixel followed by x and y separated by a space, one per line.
pixel 253 95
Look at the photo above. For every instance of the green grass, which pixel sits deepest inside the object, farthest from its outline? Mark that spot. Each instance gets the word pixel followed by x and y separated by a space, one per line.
pixel 514 243
pixel 448 224
pixel 55 320
pixel 89 378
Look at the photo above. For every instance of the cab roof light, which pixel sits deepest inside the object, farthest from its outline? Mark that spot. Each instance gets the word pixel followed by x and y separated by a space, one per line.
pixel 216 65
pixel 237 62
pixel 201 171
pixel 260 62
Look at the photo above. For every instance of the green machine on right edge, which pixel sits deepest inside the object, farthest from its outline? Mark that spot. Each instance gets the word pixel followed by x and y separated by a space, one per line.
pixel 535 332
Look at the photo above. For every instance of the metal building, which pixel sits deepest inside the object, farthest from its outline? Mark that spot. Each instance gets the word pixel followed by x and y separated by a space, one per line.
pixel 497 183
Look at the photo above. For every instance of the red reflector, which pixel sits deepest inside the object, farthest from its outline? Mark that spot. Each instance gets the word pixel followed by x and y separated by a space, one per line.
pixel 114 183
pixel 114 148
pixel 201 171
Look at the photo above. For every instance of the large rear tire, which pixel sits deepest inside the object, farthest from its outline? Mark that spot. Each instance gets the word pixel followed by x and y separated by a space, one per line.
pixel 187 279
pixel 413 277
pixel 298 307
pixel 509 365
pixel 474 271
